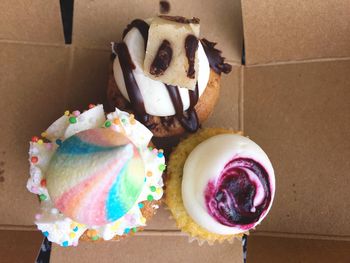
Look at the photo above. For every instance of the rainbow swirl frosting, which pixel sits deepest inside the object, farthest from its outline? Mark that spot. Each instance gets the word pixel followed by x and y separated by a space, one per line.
pixel 93 174
pixel 230 190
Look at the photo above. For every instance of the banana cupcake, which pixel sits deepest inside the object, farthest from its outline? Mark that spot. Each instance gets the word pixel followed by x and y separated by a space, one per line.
pixel 219 185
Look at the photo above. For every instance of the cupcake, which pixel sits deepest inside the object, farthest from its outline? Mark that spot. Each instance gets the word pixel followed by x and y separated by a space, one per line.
pixel 95 176
pixel 166 75
pixel 219 185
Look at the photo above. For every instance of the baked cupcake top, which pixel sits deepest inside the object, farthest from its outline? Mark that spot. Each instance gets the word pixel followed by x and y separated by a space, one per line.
pixel 162 67
pixel 228 184
pixel 93 172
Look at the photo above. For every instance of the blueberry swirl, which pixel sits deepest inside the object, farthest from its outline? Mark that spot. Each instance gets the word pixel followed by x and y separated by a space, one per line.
pixel 231 198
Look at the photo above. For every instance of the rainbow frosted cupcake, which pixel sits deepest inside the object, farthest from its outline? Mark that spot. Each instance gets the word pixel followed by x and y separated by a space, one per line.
pixel 219 185
pixel 96 177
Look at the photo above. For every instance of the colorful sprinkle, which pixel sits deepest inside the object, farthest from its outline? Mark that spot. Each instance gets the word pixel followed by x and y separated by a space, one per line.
pixel 72 120
pixel 72 235
pixel 150 197
pixel 65 243
pixel 48 146
pixel 127 230
pixel 116 121
pixel 91 106
pixel 54 211
pixel 40 141
pixel 44 134
pixel 35 138
pixel 161 150
pixel 162 167
pixel 160 155
pixel 159 190
pixel 132 119
pixel 76 113
pixel 141 205
pixel 149 174
pixel 66 113
pixel 108 124
pixel 42 197
pixel 43 182
pixel 134 229
pixel 150 148
pixel 94 238
pixel 75 229
pixel 91 233
pixel 46 233
pixel 34 159
pixel 153 188
pixel 123 120
pixel 37 216
pixel 58 142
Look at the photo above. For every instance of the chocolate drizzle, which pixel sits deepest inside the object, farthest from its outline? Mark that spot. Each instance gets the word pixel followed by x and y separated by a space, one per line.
pixel 132 88
pixel 142 26
pixel 162 59
pixel 191 46
pixel 189 122
pixel 216 61
pixel 181 19
pixel 164 7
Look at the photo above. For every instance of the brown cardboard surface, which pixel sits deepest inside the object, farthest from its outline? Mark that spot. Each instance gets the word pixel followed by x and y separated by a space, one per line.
pixel 97 23
pixel 31 20
pixel 300 114
pixel 291 250
pixel 284 30
pixel 19 246
pixel 151 249
pixel 32 80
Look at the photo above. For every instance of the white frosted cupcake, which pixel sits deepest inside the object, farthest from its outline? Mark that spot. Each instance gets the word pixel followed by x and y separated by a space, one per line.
pixel 219 185
pixel 96 177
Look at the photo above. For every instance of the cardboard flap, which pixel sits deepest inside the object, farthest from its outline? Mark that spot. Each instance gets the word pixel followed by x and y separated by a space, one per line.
pixel 284 30
pixel 299 114
pixel 32 87
pixel 157 248
pixel 32 21
pixel 97 23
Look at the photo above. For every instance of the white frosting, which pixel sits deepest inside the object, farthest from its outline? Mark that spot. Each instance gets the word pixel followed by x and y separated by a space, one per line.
pixel 155 95
pixel 206 162
pixel 56 226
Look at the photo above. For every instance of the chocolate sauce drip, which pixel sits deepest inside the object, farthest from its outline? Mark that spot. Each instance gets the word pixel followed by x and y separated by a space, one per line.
pixel 194 96
pixel 142 26
pixel 181 19
pixel 189 122
pixel 132 88
pixel 162 59
pixel 191 46
pixel 216 61
pixel 164 7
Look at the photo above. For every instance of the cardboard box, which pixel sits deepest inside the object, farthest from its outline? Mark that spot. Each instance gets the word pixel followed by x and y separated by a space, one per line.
pixel 292 97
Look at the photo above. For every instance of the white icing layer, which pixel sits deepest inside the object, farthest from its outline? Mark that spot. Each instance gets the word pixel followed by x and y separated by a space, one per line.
pixel 56 226
pixel 155 95
pixel 206 162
